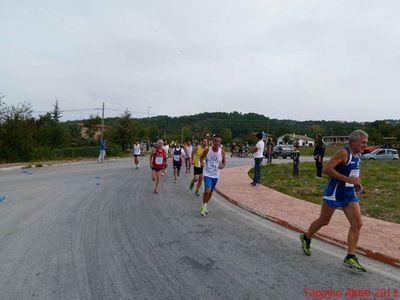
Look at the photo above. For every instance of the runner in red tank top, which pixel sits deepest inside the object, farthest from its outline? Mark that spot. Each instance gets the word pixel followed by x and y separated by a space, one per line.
pixel 158 161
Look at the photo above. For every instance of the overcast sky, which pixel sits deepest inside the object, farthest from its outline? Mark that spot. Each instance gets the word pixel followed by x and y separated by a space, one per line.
pixel 301 60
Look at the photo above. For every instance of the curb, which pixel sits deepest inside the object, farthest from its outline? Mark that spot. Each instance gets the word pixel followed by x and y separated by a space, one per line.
pixel 343 244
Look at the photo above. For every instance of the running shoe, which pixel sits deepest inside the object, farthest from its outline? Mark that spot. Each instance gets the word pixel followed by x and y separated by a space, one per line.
pixel 203 210
pixel 197 193
pixel 191 186
pixel 175 181
pixel 353 264
pixel 304 246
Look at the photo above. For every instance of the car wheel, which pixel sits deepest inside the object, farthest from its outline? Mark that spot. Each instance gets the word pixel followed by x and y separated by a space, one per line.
pixel 284 157
pixel 371 158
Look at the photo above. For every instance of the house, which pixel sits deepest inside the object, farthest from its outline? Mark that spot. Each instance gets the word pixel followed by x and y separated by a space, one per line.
pixel 301 140
pixel 335 139
pixel 93 131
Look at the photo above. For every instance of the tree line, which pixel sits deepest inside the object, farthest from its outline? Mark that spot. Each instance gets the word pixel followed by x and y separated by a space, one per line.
pixel 24 137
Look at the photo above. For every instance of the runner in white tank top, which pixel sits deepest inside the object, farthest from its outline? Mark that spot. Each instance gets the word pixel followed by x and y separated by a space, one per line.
pixel 136 153
pixel 214 161
pixel 188 154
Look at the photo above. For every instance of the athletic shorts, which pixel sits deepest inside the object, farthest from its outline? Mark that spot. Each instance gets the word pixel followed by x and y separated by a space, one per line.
pixel 177 165
pixel 210 182
pixel 157 169
pixel 338 203
pixel 198 171
pixel 136 155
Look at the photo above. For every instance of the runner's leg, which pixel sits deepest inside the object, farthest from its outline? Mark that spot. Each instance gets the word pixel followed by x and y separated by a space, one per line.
pixel 353 214
pixel 324 218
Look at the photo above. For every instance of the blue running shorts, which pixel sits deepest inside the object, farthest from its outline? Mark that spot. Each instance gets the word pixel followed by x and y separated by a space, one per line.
pixel 210 182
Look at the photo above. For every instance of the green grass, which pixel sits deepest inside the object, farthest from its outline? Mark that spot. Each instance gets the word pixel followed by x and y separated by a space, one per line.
pixel 380 199
pixel 329 150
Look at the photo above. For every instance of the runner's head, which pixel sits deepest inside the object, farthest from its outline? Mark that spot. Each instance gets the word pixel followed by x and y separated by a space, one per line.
pixel 216 139
pixel 177 144
pixel 204 142
pixel 160 143
pixel 358 140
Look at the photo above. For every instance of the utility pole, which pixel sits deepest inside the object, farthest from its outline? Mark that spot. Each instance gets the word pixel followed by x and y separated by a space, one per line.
pixel 182 137
pixel 148 112
pixel 102 122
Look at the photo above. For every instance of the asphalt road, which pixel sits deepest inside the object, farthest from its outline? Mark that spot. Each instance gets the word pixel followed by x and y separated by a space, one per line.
pixel 90 231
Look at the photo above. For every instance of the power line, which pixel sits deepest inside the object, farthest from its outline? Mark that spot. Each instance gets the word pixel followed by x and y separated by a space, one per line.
pixel 96 109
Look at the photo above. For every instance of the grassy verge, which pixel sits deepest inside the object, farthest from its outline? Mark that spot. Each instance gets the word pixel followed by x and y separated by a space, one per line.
pixel 380 199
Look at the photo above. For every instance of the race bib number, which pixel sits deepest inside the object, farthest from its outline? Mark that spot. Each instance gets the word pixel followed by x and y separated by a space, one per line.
pixel 177 157
pixel 355 173
pixel 159 160
pixel 213 166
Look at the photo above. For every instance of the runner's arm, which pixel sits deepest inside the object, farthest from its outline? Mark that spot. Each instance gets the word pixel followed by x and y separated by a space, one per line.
pixel 192 155
pixel 202 157
pixel 223 163
pixel 151 158
pixel 340 158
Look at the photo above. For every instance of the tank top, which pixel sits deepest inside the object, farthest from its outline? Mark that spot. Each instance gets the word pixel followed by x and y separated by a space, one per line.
pixel 340 190
pixel 188 151
pixel 213 161
pixel 178 154
pixel 136 150
pixel 196 156
pixel 158 158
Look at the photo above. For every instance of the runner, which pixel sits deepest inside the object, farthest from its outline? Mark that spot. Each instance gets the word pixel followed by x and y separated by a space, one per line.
pixel 197 169
pixel 343 170
pixel 177 157
pixel 166 149
pixel 188 157
pixel 215 160
pixel 136 153
pixel 158 162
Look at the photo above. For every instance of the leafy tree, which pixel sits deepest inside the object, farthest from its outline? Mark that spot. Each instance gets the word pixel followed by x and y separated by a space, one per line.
pixel 17 133
pixel 124 133
pixel 226 135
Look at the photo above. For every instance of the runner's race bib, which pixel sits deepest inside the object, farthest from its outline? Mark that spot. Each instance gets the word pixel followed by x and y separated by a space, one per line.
pixel 355 173
pixel 177 157
pixel 159 160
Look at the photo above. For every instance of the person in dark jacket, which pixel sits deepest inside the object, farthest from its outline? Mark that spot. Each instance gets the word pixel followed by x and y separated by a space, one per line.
pixel 319 153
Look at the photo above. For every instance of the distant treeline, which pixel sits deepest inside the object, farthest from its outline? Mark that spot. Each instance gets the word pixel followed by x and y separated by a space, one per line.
pixel 25 138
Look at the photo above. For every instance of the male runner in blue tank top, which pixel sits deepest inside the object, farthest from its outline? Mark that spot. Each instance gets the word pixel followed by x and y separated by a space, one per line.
pixel 343 170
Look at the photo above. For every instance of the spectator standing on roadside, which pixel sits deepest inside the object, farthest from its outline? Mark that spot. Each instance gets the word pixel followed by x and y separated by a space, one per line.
pixel 296 161
pixel 270 146
pixel 102 150
pixel 319 153
pixel 258 154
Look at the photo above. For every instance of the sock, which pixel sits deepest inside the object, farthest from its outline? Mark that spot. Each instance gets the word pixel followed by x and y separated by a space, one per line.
pixel 350 256
pixel 308 241
pixel 205 204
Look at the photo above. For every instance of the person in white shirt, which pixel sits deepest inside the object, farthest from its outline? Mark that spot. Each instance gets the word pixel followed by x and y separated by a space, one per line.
pixel 258 154
pixel 136 150
pixel 166 149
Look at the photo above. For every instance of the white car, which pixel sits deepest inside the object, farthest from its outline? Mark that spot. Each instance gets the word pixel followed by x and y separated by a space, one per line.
pixel 381 154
